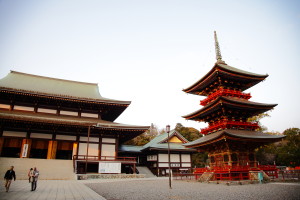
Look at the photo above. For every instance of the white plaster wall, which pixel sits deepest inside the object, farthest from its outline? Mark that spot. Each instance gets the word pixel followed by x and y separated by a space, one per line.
pixel 175 158
pixel 185 157
pixel 186 164
pixel 14 134
pixel 92 139
pixel 93 149
pixel 109 140
pixel 41 135
pixel 66 137
pixel 108 150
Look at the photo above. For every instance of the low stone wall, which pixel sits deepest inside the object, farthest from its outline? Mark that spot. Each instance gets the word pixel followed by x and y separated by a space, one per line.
pixel 108 176
pixel 50 169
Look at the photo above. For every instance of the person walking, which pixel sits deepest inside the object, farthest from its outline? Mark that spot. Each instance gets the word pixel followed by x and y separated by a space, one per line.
pixel 31 178
pixel 35 175
pixel 9 175
pixel 29 174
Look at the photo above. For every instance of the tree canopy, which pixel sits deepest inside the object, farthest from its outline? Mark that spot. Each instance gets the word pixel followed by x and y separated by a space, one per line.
pixel 284 153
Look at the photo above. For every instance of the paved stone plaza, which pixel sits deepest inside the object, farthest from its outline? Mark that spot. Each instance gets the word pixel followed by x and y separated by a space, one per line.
pixel 49 190
pixel 183 190
pixel 144 189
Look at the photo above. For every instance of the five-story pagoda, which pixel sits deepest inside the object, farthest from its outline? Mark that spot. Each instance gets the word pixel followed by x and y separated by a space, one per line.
pixel 230 139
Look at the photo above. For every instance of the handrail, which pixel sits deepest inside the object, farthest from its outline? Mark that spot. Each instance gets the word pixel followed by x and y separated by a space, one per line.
pixel 103 158
pixel 224 92
pixel 223 124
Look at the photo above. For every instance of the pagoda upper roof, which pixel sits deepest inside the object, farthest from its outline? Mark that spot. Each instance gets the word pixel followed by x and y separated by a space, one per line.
pixel 228 73
pixel 252 108
pixel 54 87
pixel 232 134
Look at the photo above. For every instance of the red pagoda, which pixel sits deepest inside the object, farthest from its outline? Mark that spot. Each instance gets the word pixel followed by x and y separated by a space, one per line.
pixel 230 139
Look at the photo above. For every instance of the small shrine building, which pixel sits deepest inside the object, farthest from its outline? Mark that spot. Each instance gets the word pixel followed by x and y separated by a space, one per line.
pixel 154 154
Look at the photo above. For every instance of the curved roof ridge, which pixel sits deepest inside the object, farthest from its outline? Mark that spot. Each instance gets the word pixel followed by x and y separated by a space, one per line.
pixel 51 78
pixel 42 85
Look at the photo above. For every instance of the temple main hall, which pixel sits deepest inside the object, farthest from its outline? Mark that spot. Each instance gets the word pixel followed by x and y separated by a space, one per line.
pixel 61 125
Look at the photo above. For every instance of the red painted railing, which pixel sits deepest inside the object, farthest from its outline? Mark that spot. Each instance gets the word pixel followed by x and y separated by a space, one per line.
pixel 240 173
pixel 224 92
pixel 228 172
pixel 223 124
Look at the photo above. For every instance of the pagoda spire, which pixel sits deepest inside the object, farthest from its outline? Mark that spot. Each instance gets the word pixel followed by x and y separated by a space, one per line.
pixel 218 51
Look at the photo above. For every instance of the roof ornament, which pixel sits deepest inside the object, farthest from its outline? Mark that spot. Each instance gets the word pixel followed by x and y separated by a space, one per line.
pixel 218 51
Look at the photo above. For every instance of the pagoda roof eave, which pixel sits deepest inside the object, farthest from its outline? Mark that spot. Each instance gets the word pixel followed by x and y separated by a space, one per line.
pixel 233 134
pixel 194 89
pixel 229 101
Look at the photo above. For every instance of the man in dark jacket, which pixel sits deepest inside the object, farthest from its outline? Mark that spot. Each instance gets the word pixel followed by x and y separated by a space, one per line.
pixel 9 175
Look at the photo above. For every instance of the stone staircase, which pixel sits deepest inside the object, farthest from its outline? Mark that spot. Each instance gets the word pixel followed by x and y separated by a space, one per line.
pixel 146 171
pixel 206 176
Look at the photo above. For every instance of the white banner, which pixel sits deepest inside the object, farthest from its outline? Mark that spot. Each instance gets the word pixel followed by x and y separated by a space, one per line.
pixel 109 168
pixel 25 150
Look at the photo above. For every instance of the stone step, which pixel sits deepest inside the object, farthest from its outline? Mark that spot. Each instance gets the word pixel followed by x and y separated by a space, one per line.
pixel 146 171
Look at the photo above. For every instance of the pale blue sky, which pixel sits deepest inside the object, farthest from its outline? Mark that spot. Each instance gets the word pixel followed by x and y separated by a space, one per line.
pixel 148 51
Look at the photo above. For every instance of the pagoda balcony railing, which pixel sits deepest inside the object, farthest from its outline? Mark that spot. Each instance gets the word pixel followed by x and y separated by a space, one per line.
pixel 226 124
pixel 224 92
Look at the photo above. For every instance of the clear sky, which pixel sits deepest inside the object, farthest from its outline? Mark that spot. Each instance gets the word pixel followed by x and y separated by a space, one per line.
pixel 148 51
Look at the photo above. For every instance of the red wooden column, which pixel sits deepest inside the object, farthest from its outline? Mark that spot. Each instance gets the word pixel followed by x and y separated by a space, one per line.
pixel 52 148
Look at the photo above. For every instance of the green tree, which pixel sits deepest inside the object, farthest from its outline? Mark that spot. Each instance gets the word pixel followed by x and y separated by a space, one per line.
pixel 257 119
pixel 288 153
pixel 191 134
pixel 144 138
pixel 285 152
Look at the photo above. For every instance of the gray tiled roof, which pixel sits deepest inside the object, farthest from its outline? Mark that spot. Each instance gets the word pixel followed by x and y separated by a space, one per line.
pixel 235 133
pixel 159 142
pixel 198 86
pixel 47 86
pixel 237 101
pixel 69 120
pixel 130 148
pixel 233 69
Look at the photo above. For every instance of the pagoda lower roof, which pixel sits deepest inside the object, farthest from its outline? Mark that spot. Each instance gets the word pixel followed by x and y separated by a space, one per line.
pixel 30 84
pixel 253 108
pixel 233 134
pixel 67 120
pixel 230 73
